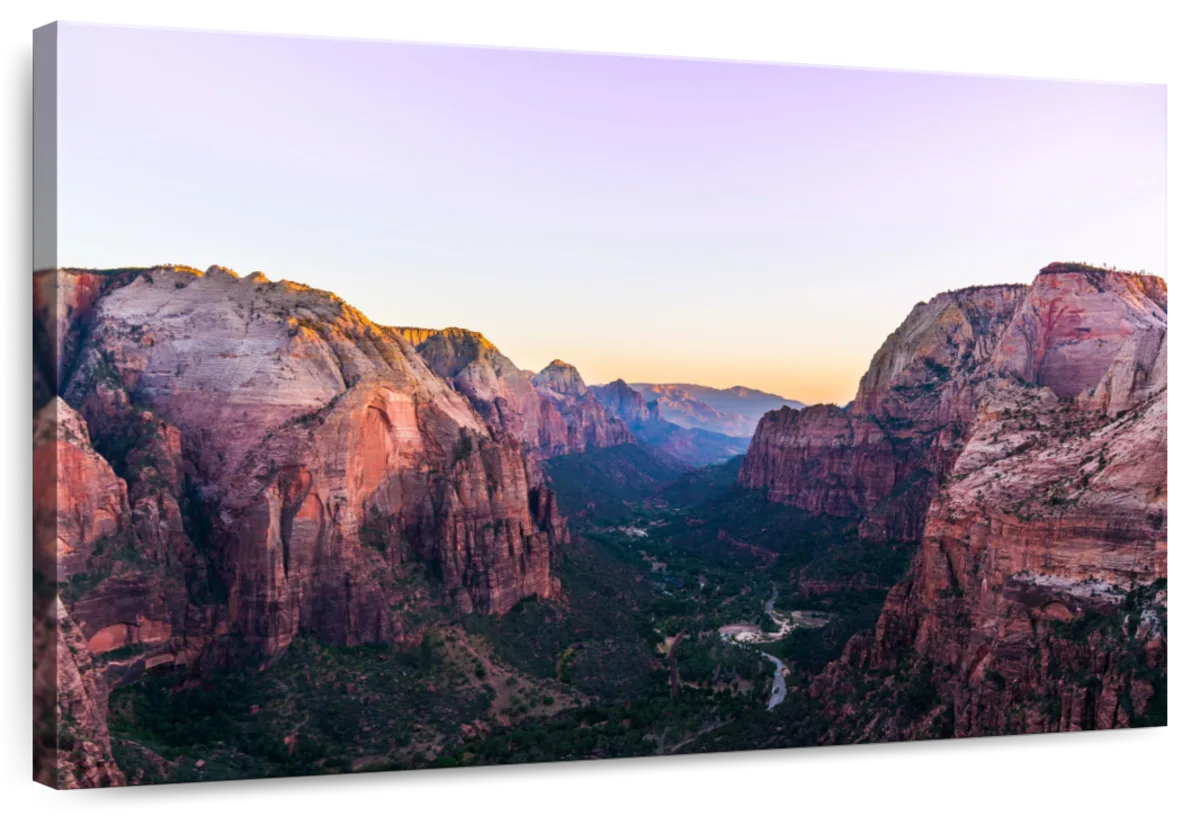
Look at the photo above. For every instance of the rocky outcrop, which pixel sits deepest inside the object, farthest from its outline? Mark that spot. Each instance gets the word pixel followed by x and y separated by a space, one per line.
pixel 121 559
pixel 77 495
pixel 554 412
pixel 71 743
pixel 879 458
pixel 575 425
pixel 625 402
pixel 317 456
pixel 918 379
pixel 1065 331
pixel 560 378
pixel 1073 323
pixel 572 419
pixel 497 389
pixel 1139 370
pixel 822 459
pixel 1036 600
pixel 84 749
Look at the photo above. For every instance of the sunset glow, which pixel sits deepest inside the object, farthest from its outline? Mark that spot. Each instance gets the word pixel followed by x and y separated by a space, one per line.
pixel 654 220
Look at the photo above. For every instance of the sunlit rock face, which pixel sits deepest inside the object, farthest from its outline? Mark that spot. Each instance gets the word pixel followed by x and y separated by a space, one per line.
pixel 1038 418
pixel 316 454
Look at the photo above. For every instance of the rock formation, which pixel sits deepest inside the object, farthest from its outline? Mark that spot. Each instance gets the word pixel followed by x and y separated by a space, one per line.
pixel 1037 416
pixel 560 378
pixel 1139 370
pixel 894 442
pixel 1032 604
pixel 84 749
pixel 235 455
pixel 325 448
pixel 689 446
pixel 552 412
pixel 625 402
pixel 572 418
pixel 1073 324
pixel 497 389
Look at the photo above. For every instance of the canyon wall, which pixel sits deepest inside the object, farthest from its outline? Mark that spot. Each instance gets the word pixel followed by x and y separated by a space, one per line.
pixel 552 412
pixel 879 458
pixel 215 454
pixel 1036 601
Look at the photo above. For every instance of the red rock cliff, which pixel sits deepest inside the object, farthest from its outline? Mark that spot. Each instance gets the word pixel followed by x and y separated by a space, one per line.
pixel 496 388
pixel 572 418
pixel 553 412
pixel 322 454
pixel 880 457
pixel 1032 604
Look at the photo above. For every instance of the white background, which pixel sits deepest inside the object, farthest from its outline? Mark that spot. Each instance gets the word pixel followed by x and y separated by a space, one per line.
pixel 594 45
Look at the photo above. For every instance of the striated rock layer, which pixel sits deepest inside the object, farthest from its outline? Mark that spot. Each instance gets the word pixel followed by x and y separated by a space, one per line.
pixel 235 455
pixel 1036 600
pixel 84 748
pixel 324 448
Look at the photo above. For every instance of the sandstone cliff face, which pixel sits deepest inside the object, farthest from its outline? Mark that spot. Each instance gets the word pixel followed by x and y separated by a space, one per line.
pixel 917 378
pixel 323 456
pixel 1032 604
pixel 1139 370
pixel 880 457
pixel 84 754
pixel 553 412
pixel 572 419
pixel 496 388
pixel 1036 601
pixel 821 459
pixel 1073 323
pixel 77 501
pixel 560 378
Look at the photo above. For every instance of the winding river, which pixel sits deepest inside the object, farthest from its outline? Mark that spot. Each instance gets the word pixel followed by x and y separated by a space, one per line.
pixel 754 634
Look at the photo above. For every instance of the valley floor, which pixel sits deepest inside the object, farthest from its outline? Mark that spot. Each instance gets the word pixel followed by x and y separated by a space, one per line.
pixel 671 626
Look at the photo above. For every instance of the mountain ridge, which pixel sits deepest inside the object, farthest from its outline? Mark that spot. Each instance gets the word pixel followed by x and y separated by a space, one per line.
pixel 1018 433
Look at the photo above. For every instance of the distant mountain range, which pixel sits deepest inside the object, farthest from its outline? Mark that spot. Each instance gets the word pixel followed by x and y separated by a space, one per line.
pixel 730 411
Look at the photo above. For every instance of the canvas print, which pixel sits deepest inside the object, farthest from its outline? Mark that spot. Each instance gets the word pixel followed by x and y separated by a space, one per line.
pixel 402 406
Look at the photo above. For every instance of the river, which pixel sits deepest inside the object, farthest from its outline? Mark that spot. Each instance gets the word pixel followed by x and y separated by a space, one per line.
pixel 748 634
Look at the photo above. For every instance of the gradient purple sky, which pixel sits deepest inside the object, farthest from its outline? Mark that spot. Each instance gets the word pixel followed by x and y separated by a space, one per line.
pixel 658 220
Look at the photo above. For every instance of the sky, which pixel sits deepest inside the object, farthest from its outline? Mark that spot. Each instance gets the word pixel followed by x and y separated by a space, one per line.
pixel 658 220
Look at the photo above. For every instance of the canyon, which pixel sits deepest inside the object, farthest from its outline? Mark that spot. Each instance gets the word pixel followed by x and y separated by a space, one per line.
pixel 233 472
pixel 228 454
pixel 222 458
